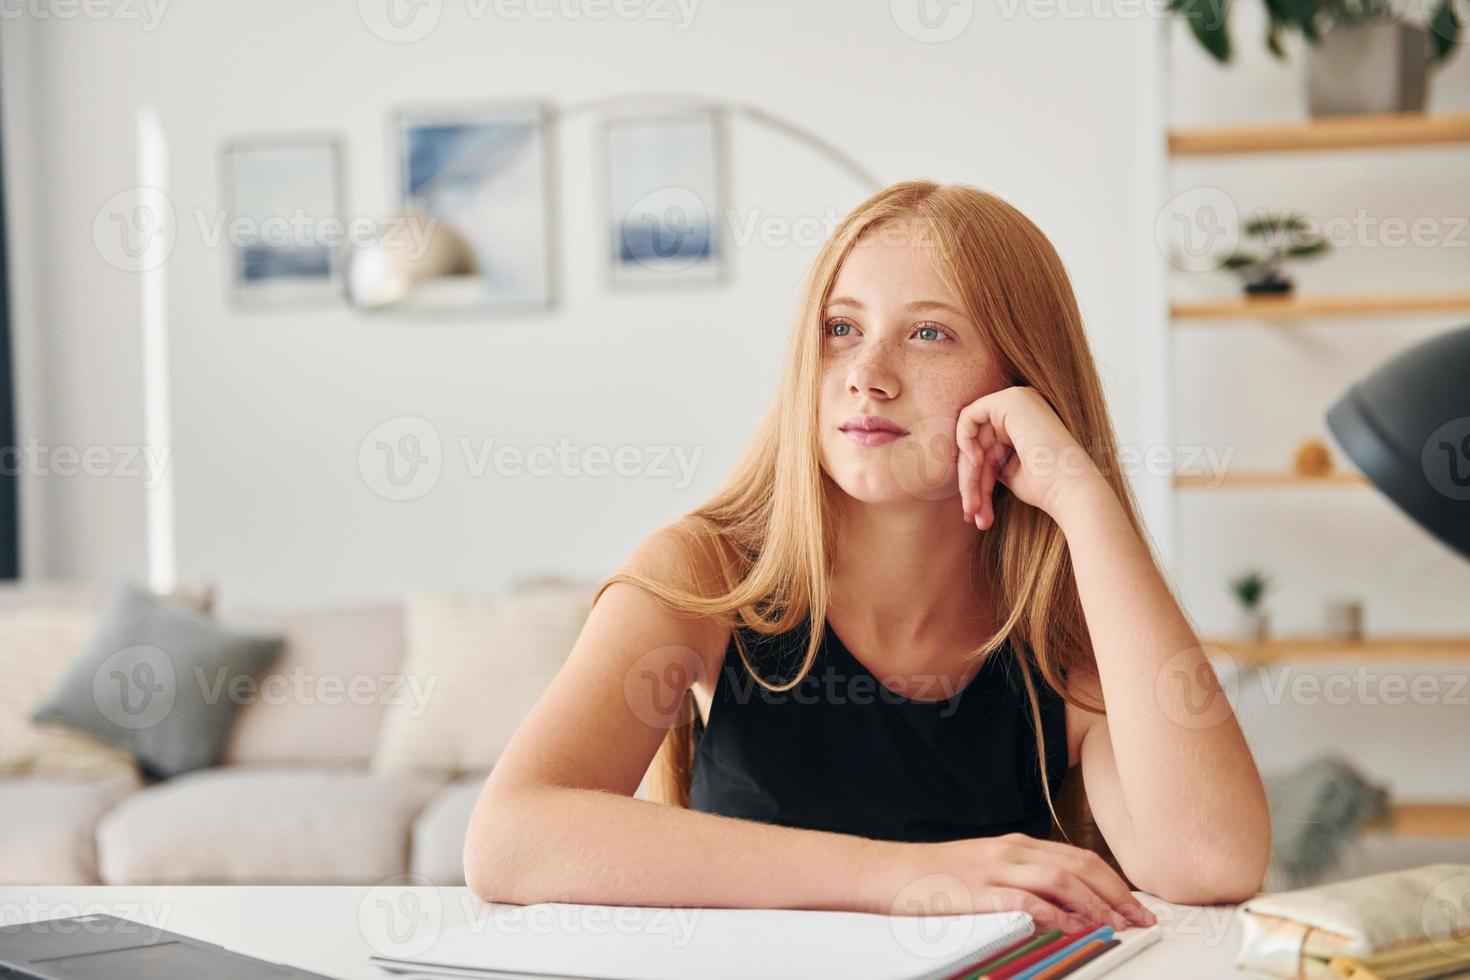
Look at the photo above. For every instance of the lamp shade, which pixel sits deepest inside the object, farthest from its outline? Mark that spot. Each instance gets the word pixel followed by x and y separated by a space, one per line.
pixel 1407 427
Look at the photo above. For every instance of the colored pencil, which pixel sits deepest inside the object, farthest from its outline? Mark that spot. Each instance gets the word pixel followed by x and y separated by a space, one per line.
pixel 1091 951
pixel 1059 952
pixel 1018 948
pixel 1022 964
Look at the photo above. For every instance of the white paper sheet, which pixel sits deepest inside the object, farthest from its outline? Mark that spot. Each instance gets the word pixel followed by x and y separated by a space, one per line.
pixel 558 939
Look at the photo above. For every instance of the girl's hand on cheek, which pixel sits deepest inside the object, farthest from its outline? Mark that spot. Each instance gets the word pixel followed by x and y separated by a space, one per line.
pixel 1012 436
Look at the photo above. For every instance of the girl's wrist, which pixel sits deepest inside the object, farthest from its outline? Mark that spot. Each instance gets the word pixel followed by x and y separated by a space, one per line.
pixel 1082 498
pixel 883 870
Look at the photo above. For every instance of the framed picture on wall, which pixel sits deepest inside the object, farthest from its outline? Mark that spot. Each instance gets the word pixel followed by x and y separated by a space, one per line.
pixel 478 181
pixel 666 190
pixel 283 229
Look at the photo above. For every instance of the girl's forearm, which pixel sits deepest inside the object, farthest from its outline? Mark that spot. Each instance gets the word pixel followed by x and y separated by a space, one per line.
pixel 1184 768
pixel 584 845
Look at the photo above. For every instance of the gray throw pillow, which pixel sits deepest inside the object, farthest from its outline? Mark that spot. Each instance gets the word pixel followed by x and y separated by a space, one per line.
pixel 160 680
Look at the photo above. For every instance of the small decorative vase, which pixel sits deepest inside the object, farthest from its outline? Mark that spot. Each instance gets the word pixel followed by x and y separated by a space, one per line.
pixel 1381 66
pixel 1255 625
pixel 1345 620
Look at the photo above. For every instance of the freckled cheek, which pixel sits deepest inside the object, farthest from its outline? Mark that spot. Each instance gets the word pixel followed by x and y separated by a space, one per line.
pixel 834 379
pixel 938 391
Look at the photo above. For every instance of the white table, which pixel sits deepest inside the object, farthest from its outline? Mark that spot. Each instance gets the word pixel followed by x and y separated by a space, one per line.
pixel 332 930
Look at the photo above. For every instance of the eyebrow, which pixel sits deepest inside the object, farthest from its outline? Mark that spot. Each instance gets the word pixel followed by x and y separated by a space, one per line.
pixel 913 305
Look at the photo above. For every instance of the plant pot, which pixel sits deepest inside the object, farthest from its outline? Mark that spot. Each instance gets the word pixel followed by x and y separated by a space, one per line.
pixel 1272 285
pixel 1255 625
pixel 1381 66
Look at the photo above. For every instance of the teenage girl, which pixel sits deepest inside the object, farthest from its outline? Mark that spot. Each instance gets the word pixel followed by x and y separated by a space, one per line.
pixel 842 697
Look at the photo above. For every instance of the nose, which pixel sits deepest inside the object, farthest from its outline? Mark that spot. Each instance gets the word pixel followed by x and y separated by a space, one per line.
pixel 872 373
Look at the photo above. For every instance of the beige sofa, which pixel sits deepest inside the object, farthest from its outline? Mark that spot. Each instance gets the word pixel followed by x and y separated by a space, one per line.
pixel 301 794
pixel 319 787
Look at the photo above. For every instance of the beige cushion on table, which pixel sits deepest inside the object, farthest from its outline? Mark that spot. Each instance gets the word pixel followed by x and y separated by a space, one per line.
pixel 486 661
pixel 48 828
pixel 439 832
pixel 248 825
pixel 323 701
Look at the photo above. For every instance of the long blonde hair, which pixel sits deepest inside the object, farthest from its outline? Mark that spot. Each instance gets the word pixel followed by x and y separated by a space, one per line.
pixel 771 527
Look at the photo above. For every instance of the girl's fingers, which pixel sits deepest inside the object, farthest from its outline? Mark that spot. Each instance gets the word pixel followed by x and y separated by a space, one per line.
pixel 985 443
pixel 982 439
pixel 995 461
pixel 1093 870
pixel 1002 899
pixel 1065 890
pixel 987 487
pixel 969 478
pixel 965 469
pixel 977 486
pixel 983 420
pixel 1011 466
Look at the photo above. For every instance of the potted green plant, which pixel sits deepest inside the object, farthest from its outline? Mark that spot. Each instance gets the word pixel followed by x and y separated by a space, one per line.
pixel 1285 236
pixel 1363 55
pixel 1250 588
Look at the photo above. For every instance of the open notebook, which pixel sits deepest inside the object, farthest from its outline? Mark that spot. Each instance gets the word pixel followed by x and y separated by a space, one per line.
pixel 560 939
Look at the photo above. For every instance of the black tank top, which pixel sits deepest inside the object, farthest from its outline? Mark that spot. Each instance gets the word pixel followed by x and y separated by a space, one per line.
pixel 842 752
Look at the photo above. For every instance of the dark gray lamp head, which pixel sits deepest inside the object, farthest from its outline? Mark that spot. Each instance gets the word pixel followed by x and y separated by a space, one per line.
pixel 1407 427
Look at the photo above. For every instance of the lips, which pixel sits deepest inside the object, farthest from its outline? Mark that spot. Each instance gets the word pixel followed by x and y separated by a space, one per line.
pixel 873 423
pixel 872 430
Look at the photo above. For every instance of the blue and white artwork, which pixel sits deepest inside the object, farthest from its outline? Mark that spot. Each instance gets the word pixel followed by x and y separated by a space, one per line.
pixel 666 196
pixel 283 220
pixel 481 179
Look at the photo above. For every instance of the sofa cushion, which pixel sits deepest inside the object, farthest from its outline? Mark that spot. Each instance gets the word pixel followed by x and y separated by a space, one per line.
pixel 158 679
pixel 253 825
pixel 322 703
pixel 485 662
pixel 48 827
pixel 44 626
pixel 439 832
pixel 38 644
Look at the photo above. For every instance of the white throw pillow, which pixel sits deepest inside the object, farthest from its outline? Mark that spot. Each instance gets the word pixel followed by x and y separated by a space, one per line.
pixel 474 668
pixel 37 645
pixel 44 626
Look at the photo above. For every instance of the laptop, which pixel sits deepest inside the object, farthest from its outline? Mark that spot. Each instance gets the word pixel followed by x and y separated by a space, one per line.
pixel 105 947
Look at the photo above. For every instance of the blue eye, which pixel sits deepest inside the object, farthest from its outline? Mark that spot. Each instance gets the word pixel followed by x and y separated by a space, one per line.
pixel 940 333
pixel 834 325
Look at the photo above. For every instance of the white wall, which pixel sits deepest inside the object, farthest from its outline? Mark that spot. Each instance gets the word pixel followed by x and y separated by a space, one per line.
pixel 269 410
